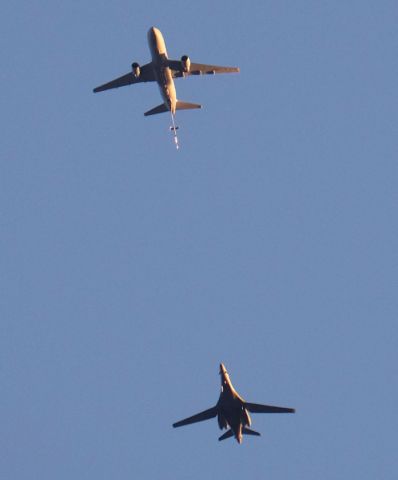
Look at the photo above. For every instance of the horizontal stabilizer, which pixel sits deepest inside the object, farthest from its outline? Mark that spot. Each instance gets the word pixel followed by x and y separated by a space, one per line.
pixel 258 408
pixel 187 106
pixel 228 434
pixel 248 431
pixel 159 109
pixel 199 417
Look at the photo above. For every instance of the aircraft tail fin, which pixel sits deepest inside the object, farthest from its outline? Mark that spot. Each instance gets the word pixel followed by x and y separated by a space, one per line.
pixel 180 106
pixel 248 431
pixel 159 109
pixel 227 434
pixel 245 431
pixel 186 105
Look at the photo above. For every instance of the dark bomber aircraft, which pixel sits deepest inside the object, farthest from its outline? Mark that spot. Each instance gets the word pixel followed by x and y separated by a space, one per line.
pixel 232 411
pixel 163 71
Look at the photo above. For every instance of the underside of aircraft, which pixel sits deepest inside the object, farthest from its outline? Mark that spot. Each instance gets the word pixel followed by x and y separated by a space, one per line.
pixel 163 70
pixel 232 411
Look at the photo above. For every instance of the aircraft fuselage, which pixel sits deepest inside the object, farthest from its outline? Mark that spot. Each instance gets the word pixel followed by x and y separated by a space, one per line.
pixel 162 71
pixel 232 411
pixel 231 407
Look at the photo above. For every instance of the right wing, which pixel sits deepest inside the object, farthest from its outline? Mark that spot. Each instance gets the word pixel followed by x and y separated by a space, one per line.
pixel 201 69
pixel 198 69
pixel 257 408
pixel 146 75
pixel 199 417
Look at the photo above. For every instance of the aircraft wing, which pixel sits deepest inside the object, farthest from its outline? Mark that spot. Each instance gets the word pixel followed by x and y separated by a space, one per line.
pixel 199 69
pixel 146 75
pixel 199 417
pixel 258 408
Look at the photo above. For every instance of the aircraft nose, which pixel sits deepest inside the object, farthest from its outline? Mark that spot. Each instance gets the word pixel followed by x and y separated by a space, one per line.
pixel 222 369
pixel 151 33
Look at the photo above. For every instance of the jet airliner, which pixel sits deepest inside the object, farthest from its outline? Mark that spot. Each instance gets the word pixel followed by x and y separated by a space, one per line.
pixel 232 411
pixel 163 71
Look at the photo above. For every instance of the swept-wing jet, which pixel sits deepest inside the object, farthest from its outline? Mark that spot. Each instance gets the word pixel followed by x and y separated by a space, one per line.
pixel 232 411
pixel 163 71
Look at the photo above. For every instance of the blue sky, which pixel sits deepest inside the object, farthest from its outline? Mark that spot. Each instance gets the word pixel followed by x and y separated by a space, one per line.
pixel 129 270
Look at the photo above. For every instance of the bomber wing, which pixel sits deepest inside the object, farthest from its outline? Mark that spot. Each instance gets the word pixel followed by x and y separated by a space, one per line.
pixel 146 75
pixel 258 408
pixel 199 417
pixel 198 69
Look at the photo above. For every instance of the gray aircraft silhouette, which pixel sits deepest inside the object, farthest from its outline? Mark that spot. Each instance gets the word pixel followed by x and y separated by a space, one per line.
pixel 232 411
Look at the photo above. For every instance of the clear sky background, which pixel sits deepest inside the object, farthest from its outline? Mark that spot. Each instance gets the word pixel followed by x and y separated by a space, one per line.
pixel 129 270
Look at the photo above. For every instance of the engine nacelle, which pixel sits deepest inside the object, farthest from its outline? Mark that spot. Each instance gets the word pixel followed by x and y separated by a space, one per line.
pixel 185 63
pixel 246 417
pixel 136 69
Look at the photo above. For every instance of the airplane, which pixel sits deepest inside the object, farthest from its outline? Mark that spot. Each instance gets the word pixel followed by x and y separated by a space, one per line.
pixel 163 71
pixel 232 411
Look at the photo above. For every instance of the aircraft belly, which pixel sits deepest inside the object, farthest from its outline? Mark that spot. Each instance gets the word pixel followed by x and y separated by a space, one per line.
pixel 222 422
pixel 163 93
pixel 167 88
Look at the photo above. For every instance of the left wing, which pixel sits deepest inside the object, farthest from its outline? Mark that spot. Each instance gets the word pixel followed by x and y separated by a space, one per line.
pixel 199 417
pixel 198 69
pixel 257 408
pixel 146 75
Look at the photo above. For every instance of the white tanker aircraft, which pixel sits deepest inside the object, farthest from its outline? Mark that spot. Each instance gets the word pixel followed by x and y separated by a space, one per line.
pixel 163 71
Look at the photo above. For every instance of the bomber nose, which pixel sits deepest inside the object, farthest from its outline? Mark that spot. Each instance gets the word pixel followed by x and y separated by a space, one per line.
pixel 153 31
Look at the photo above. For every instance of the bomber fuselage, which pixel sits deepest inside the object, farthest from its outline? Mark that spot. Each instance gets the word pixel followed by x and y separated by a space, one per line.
pixel 231 407
pixel 232 411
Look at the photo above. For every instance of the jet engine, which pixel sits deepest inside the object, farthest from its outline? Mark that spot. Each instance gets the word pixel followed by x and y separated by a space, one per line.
pixel 185 63
pixel 222 423
pixel 136 69
pixel 246 417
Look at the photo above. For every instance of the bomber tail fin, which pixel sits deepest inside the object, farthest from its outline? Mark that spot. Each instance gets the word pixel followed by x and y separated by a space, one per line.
pixel 245 431
pixel 248 431
pixel 227 434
